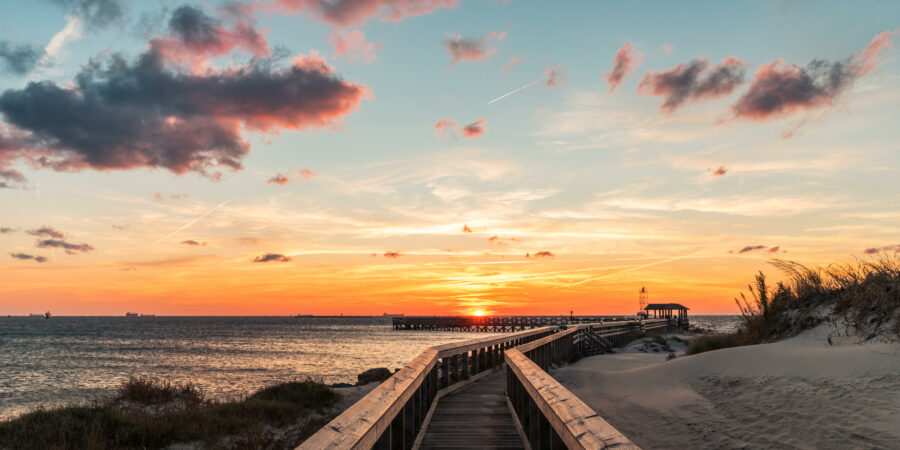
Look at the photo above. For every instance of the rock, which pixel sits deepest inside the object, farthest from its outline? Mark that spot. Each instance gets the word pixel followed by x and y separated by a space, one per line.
pixel 341 385
pixel 373 375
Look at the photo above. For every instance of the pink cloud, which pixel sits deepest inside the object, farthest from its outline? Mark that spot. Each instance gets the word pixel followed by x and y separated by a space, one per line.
pixel 667 48
pixel 541 254
pixel 352 45
pixel 292 175
pixel 349 13
pixel 474 129
pixel 721 171
pixel 445 126
pixel 885 249
pixel 693 82
pixel 513 62
pixel 467 49
pixel 779 89
pixel 554 76
pixel 466 229
pixel 394 255
pixel 626 60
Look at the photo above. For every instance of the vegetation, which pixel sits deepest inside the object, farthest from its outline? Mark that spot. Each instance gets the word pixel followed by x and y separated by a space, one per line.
pixel 149 413
pixel 861 298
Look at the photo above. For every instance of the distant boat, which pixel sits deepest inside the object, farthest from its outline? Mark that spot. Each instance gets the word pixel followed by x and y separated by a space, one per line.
pixel 131 314
pixel 148 315
pixel 35 315
pixel 304 315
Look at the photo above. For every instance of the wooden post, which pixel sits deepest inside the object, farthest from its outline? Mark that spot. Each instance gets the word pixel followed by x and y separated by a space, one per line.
pixel 465 365
pixel 445 372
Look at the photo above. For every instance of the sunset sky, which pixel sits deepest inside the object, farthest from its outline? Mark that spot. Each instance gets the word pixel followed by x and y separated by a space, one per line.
pixel 363 156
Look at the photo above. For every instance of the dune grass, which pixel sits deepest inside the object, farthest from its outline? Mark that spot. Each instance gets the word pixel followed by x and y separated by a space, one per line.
pixel 863 298
pixel 149 413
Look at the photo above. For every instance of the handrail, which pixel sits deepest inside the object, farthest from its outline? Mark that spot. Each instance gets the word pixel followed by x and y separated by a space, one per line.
pixel 576 425
pixel 550 415
pixel 391 414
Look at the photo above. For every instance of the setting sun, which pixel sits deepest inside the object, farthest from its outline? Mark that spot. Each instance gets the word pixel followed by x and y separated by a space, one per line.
pixel 478 313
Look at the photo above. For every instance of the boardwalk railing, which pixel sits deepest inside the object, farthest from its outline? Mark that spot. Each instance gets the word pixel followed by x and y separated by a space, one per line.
pixel 493 323
pixel 549 414
pixel 391 415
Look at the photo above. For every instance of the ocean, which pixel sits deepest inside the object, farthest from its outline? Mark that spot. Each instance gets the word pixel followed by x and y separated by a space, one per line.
pixel 64 360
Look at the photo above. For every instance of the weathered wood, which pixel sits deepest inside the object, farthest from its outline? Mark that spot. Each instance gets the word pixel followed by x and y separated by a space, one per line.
pixel 577 425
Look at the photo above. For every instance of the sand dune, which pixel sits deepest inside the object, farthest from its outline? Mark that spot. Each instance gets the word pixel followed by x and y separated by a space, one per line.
pixel 798 393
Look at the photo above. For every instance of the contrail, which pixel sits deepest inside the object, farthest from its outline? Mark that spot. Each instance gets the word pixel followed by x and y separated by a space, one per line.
pixel 192 222
pixel 513 92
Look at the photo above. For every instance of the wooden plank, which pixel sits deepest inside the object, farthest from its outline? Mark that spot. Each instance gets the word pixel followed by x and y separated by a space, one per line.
pixel 455 348
pixel 576 423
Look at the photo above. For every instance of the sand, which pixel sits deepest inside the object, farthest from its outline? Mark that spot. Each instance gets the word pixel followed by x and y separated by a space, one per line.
pixel 797 393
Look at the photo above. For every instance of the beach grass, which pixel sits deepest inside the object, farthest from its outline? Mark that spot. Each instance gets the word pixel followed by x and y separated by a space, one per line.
pixel 149 413
pixel 862 299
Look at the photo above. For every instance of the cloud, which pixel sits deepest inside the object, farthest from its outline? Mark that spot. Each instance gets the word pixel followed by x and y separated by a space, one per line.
pixel 885 249
pixel 160 197
pixel 25 256
pixel 667 48
pixel 751 248
pixel 195 36
pixel 192 242
pixel 271 257
pixel 70 248
pixel 500 241
pixel 467 49
pixel 474 129
pixel 694 81
pixel 513 62
pixel 278 179
pixel 539 255
pixel 720 172
pixel 465 229
pixel 292 175
pixel 352 46
pixel 94 13
pixel 18 59
pixel 774 249
pixel 119 227
pixel 348 13
pixel 46 231
pixel 9 178
pixel 392 255
pixel 626 60
pixel 780 89
pixel 130 114
pixel 7 230
pixel 555 77
pixel 450 128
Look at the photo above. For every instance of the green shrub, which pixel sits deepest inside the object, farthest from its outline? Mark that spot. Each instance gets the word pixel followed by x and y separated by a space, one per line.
pixel 706 343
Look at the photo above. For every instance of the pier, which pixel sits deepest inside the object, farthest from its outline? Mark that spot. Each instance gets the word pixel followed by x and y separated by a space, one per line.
pixel 493 392
pixel 496 324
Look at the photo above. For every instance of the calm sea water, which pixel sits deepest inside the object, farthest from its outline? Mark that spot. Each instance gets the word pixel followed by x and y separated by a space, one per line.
pixel 78 359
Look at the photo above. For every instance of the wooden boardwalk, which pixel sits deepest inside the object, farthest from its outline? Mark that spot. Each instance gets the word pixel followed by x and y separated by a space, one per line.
pixel 475 416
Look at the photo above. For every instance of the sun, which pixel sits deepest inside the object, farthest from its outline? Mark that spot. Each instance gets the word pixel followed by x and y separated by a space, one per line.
pixel 478 313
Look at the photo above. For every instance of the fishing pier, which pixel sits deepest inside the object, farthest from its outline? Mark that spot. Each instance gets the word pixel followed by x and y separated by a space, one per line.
pixel 493 392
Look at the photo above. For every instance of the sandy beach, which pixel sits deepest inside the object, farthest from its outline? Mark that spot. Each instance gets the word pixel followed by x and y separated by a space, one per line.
pixel 797 393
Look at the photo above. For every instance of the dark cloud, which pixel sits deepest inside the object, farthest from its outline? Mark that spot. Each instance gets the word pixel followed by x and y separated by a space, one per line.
pixel 124 114
pixel 70 248
pixel 751 248
pixel 10 178
pixel 5 230
pixel 497 240
pixel 278 179
pixel 541 254
pixel 18 59
pixel 196 36
pixel 271 257
pixel 626 60
pixel 94 13
pixel 694 81
pixel 293 175
pixel 451 128
pixel 780 89
pixel 25 256
pixel 193 243
pixel 392 254
pixel 885 249
pixel 468 49
pixel 347 13
pixel 46 231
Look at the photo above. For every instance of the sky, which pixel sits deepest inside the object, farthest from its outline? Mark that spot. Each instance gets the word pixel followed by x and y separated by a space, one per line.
pixel 437 156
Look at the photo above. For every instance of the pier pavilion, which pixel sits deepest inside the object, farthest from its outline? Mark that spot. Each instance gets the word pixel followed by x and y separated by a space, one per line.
pixel 667 311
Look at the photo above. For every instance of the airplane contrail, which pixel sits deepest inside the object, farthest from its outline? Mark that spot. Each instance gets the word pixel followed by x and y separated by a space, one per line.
pixel 513 92
pixel 192 222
